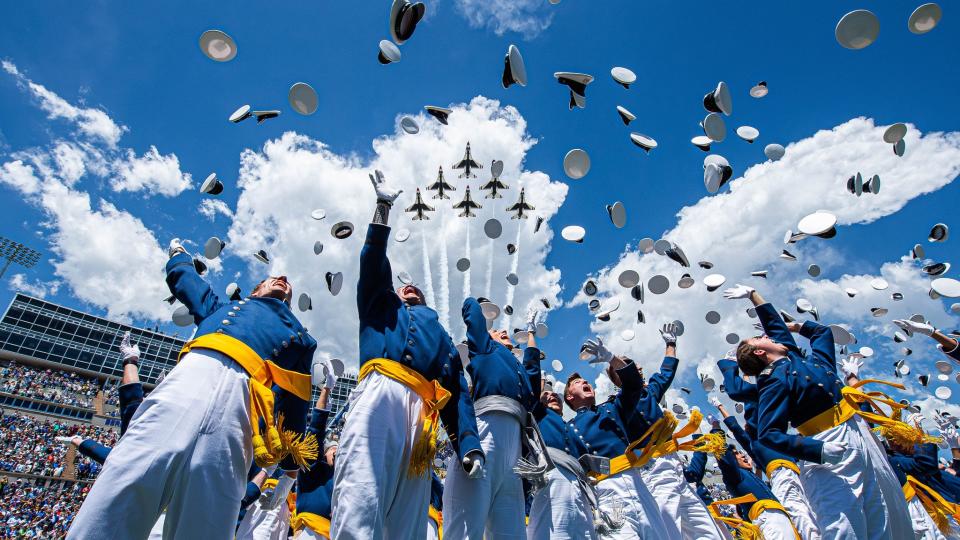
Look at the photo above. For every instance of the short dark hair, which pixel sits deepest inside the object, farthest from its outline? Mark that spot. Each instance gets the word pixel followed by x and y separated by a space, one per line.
pixel 566 388
pixel 748 362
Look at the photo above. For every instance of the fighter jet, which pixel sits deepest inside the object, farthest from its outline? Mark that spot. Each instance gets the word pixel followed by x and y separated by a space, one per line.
pixel 467 163
pixel 520 206
pixel 419 207
pixel 466 205
pixel 494 186
pixel 441 187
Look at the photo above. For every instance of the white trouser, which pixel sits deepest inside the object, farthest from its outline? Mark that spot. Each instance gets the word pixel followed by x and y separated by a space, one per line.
pixel 156 533
pixel 898 517
pixel 846 496
pixel 682 510
pixel 775 525
pixel 560 511
pixel 495 502
pixel 433 533
pixel 923 526
pixel 307 533
pixel 373 496
pixel 187 450
pixel 262 524
pixel 785 484
pixel 626 494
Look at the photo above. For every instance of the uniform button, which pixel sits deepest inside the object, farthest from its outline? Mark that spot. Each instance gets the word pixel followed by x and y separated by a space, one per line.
pixel 300 334
pixel 241 302
pixel 410 342
pixel 408 358
pixel 830 394
pixel 820 385
pixel 413 329
pixel 794 372
pixel 219 330
pixel 231 314
pixel 225 322
pixel 285 344
pixel 276 352
pixel 807 377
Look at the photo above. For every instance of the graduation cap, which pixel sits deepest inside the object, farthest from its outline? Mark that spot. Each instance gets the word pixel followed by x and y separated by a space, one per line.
pixel 712 317
pixel 625 115
pixel 240 114
pixel 576 164
pixel 623 76
pixel 342 230
pixel 805 306
pixel 759 273
pixel 733 339
pixel 813 270
pixel 213 247
pixel 388 53
pixel 557 365
pixel 607 307
pixel 640 318
pixel 677 254
pixel 334 282
pixel 513 279
pixel 680 327
pixel 685 281
pixel 939 233
pixel 944 367
pixel 304 302
pixel 303 98
pixel 317 247
pixel 752 312
pixel 936 269
pixel 857 29
pixel 262 116
pixel 463 264
pixel 545 302
pixel 490 310
pixel 402 235
pixel 233 292
pixel 786 316
pixel 896 297
pixel 748 133
pixel 867 352
pixel 899 148
pixel 759 90
pixel 714 281
pixel 707 382
pixel 841 336
pixel 643 141
pixel 511 249
pixel 786 255
pixel 212 185
pixel 182 317
pixel 895 133
pixel 702 142
pixel 262 256
pixel 590 288
pixel 513 69
pixel 409 125
pixel 879 311
pixel 855 184
pixel 645 245
pixel 879 284
pixel 577 82
pixel 714 127
pixel 508 309
pixel 924 18
pixel 637 292
pixel 716 172
pixel 593 305
pixel 628 334
pixel 737 406
pixel 774 151
pixel 218 46
pixel 947 287
pixel 318 214
pixel 618 214
pixel 661 246
pixel 658 284
pixel 170 299
pixel 536 228
pixel 943 392
pixel 493 228
pixel 872 185
pixel 440 113
pixel 628 279
pixel 706 265
pixel 719 100
pixel 405 278
pixel 573 233
pixel 404 17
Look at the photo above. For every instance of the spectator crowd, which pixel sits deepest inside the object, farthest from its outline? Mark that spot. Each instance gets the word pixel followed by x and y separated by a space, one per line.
pixel 62 387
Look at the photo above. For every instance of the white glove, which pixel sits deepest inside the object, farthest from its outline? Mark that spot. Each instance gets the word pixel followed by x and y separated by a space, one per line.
pixel 731 355
pixel 533 315
pixel 284 483
pixel 669 333
pixel 127 350
pixel 738 291
pixel 175 247
pixel 64 440
pixel 385 191
pixel 911 327
pixel 942 422
pixel 851 366
pixel 833 452
pixel 598 350
pixel 473 464
pixel 715 401
pixel 915 419
pixel 951 437
pixel 331 378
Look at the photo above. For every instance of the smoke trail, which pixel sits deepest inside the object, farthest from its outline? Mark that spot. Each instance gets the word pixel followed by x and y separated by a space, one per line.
pixel 466 275
pixel 490 244
pixel 443 308
pixel 514 265
pixel 427 275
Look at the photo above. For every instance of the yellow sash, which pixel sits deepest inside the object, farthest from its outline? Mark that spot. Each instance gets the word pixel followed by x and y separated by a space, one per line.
pixel 434 398
pixel 744 529
pixel 314 522
pixel 853 397
pixel 763 505
pixel 940 509
pixel 781 464
pixel 277 443
pixel 661 441
pixel 437 517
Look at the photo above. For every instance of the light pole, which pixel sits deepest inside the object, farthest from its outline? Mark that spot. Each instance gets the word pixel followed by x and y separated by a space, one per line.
pixel 15 252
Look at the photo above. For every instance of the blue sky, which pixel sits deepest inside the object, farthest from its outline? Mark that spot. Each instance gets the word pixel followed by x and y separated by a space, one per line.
pixel 141 65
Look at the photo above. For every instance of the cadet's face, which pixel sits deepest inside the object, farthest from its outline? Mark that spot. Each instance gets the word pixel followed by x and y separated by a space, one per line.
pixel 501 337
pixel 580 393
pixel 411 295
pixel 551 400
pixel 274 287
pixel 743 461
pixel 768 346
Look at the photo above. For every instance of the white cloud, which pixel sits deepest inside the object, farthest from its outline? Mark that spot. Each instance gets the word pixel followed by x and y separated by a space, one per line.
pixel 153 173
pixel 19 176
pixel 742 230
pixel 93 123
pixel 293 175
pixel 526 17
pixel 39 289
pixel 209 208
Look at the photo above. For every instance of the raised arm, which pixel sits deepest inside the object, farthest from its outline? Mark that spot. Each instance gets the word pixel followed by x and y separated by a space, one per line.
pixel 94 450
pixel 457 415
pixel 736 386
pixel 821 341
pixel 478 339
pixel 189 288
pixel 774 326
pixel 697 467
pixel 375 275
pixel 631 390
pixel 774 417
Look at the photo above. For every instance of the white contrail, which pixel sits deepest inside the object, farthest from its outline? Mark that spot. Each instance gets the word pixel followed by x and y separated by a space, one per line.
pixel 490 244
pixel 466 275
pixel 514 265
pixel 427 275
pixel 443 308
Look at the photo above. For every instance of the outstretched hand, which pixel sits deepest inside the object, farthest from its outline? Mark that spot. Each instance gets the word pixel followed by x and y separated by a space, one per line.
pixel 129 352
pixel 597 350
pixel 385 191
pixel 738 291
pixel 473 465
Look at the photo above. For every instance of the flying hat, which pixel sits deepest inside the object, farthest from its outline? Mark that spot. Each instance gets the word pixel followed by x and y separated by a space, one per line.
pixel 841 336
pixel 947 287
pixel 577 82
pixel 318 214
pixel 774 151
pixel 463 264
pixel 576 164
pixel 736 406
pixel 702 142
pixel 872 185
pixel 752 312
pixel 895 133
pixel 490 310
pixel 212 185
pixel 409 125
pixel 625 115
pixel 855 184
pixel 404 17
pixel 955 307
pixel 643 141
pixel 759 90
pixel 939 233
pixel 661 246
pixel 924 18
pixel 402 235
pixel 542 330
pixel 943 392
pixel 213 247
pixel 805 306
pixel 405 278
pixel 240 114
pixel 594 304
pixel 618 214
pixel 917 317
pixel 918 252
pixel 640 318
pixel 334 282
pixel 440 113
pixel 233 292
pixel 733 339
pixel 677 254
pixel 623 76
pixel 645 245
pixel 536 228
pixel 513 69
pixel 389 53
pixel 658 284
pixel 182 317
pixel 857 29
pixel 714 127
pixel 706 265
pixel 936 269
pixel 759 273
pixel 304 302
pixel 896 296
pixel 512 279
pixel 817 223
pixel 608 306
pixel 261 116
pixel 627 335
pixel 637 292
pixel 899 148
pixel 879 284
pixel 712 317
pixel 786 255
pixel 813 270
pixel 496 168
pixel 557 365
pixel 590 288
pixel 899 337
pixel 879 311
pixel 545 302
pixel 707 383
pixel 714 281
pixel 573 233
pixel 748 133
pixel 493 228
pixel 680 328
pixel 719 100
pixel 866 352
pixel 716 172
pixel 303 98
pixel 924 379
pixel 337 366
pixel 685 282
pixel 262 256
pixel 218 46
pixel 342 230
pixel 317 247
pixel 628 279
pixel 944 367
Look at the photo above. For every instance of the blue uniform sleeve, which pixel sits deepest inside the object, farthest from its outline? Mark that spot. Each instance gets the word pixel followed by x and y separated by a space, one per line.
pixel 955 352
pixel 660 381
pixel 821 341
pixel 775 419
pixel 740 435
pixel 774 326
pixel 697 467
pixel 190 289
pixel 94 450
pixel 318 423
pixel 478 339
pixel 531 364
pixel 926 457
pixel 458 416
pixel 375 275
pixel 630 392
pixel 737 388
pixel 131 396
pixel 293 409
pixel 251 495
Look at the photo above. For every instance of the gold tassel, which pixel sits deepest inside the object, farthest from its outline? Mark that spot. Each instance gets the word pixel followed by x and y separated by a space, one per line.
pixel 711 443
pixel 421 458
pixel 748 531
pixel 904 435
pixel 303 448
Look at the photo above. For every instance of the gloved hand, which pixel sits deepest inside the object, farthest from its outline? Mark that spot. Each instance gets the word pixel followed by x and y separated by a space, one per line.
pixel 175 247
pixel 473 464
pixel 598 350
pixel 912 327
pixel 68 440
pixel 851 366
pixel 284 483
pixel 833 452
pixel 715 401
pixel 951 437
pixel 669 333
pixel 738 291
pixel 385 192
pixel 943 422
pixel 731 355
pixel 533 315
pixel 130 352
pixel 330 379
